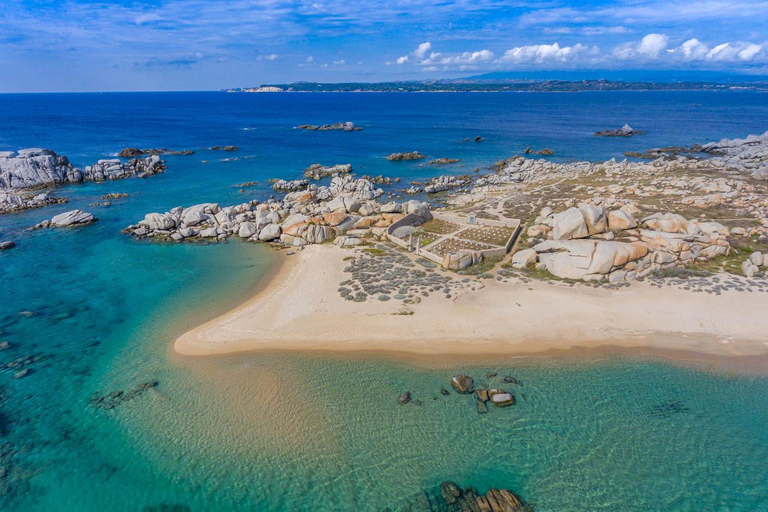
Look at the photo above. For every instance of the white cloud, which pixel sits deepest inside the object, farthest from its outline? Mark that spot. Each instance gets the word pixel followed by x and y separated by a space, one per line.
pixel 693 49
pixel 652 45
pixel 402 60
pixel 422 50
pixel 339 62
pixel 649 48
pixel 310 59
pixel 541 53
pixel 271 57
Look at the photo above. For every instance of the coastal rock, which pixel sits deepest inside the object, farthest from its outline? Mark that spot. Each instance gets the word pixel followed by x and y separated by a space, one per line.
pixel 404 398
pixel 71 218
pixel 417 208
pixel 569 224
pixel 155 221
pixel 8 244
pixel 620 220
pixel 347 126
pixel 318 171
pixel 583 259
pixel 624 131
pixel 462 259
pixel 413 155
pixel 247 230
pixel 289 186
pixel 524 258
pixel 270 232
pixel 666 222
pixel 595 218
pixel 501 398
pixel 445 161
pixel 463 384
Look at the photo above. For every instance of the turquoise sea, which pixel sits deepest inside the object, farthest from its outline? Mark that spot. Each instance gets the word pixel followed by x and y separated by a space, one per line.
pixel 89 310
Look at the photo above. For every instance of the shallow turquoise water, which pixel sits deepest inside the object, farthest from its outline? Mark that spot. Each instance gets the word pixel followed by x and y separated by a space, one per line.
pixel 289 432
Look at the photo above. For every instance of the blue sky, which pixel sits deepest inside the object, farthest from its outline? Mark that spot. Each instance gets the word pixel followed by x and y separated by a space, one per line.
pixel 83 45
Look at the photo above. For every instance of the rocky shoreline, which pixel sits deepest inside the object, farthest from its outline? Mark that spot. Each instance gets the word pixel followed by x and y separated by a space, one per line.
pixel 33 169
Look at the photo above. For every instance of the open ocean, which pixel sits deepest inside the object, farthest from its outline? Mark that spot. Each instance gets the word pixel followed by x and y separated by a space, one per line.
pixel 99 312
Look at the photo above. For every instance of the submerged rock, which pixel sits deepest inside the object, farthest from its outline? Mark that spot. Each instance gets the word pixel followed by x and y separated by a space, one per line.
pixel 404 398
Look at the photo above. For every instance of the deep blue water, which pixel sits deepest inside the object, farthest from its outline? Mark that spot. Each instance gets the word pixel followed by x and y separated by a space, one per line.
pixel 101 311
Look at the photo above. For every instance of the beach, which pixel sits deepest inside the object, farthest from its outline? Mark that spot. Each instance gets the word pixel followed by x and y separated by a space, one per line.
pixel 299 310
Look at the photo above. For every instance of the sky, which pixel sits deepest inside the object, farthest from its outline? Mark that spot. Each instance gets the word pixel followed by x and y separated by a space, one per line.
pixel 118 45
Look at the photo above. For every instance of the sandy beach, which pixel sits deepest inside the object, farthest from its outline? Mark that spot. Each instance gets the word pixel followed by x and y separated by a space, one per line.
pixel 299 309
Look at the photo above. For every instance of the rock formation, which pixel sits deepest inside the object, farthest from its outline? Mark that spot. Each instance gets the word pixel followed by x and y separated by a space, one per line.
pixel 413 155
pixel 624 131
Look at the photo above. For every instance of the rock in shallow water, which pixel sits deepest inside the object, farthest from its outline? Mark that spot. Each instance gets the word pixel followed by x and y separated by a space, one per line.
pixel 463 384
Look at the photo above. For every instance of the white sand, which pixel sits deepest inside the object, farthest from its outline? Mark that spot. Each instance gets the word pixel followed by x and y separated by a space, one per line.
pixel 301 309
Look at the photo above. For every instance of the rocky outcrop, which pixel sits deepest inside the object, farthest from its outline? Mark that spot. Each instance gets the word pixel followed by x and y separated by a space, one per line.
pixel 318 171
pixel 587 259
pixel 413 155
pixel 543 152
pixel 348 126
pixel 443 183
pixel 313 215
pixel 68 219
pixel 32 168
pixel 624 131
pixel 13 202
pixel 444 161
pixel 136 152
pixel 289 186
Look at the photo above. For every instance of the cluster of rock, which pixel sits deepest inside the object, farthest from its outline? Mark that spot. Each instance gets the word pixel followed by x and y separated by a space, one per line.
pixel 444 161
pixel 624 131
pixel 347 126
pixel 67 219
pixel 413 155
pixel 449 497
pixel 543 152
pixel 464 384
pixel 319 171
pixel 289 185
pixel 115 169
pixel 136 152
pixel 224 148
pixel 314 215
pixel 583 245
pixel 13 201
pixel 7 244
pixel 44 168
pixel 443 183
pixel 754 264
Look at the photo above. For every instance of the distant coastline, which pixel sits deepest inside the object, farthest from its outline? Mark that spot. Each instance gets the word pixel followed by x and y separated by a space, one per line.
pixel 484 85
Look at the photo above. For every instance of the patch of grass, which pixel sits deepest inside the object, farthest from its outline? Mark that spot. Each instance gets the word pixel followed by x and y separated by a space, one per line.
pixel 373 251
pixel 404 312
pixel 440 227
pixel 348 258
